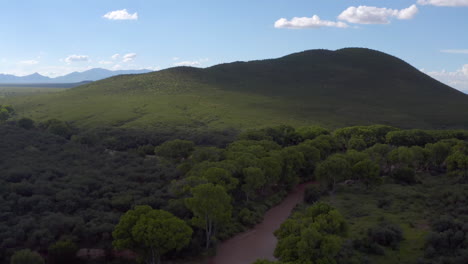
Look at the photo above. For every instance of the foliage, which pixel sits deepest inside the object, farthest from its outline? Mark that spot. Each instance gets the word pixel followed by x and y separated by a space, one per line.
pixel 404 175
pixel 211 207
pixel 333 170
pixel 6 111
pixel 313 236
pixel 366 171
pixel 313 193
pixel 151 232
pixel 63 252
pixel 26 256
pixel 386 234
pixel 26 123
pixel 175 149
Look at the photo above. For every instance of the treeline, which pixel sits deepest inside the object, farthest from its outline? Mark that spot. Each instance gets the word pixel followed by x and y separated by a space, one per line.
pixel 63 189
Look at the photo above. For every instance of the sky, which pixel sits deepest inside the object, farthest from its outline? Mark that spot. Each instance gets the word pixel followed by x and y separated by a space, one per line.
pixel 56 37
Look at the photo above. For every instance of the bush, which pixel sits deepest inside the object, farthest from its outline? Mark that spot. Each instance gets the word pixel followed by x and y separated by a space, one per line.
pixel 25 123
pixel 404 175
pixel 26 256
pixel 313 193
pixel 386 234
pixel 63 252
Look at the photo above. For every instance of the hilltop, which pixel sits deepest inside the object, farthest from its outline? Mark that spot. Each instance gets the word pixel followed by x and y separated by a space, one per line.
pixel 332 88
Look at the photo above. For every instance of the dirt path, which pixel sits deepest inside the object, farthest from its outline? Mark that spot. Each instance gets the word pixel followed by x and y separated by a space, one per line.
pixel 259 242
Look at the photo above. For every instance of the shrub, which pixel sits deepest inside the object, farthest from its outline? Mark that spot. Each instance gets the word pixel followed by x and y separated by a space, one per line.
pixel 25 123
pixel 26 256
pixel 386 234
pixel 313 193
pixel 404 175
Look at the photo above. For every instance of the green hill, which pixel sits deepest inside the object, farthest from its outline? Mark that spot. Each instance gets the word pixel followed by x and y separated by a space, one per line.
pixel 332 88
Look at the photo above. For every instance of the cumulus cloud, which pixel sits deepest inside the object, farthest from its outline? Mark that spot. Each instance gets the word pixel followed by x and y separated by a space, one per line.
pixel 115 56
pixel 444 2
pixel 376 15
pixel 129 57
pixel 194 63
pixel 307 22
pixel 76 58
pixel 121 15
pixel 457 79
pixel 456 51
pixel 29 62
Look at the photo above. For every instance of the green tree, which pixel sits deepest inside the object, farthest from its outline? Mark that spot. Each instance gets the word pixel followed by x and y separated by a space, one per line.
pixel 254 179
pixel 366 171
pixel 59 128
pixel 26 123
pixel 222 177
pixel 313 236
pixel 150 232
pixel 63 252
pixel 333 170
pixel 26 256
pixel 311 132
pixel 6 112
pixel 175 149
pixel 438 153
pixel 211 207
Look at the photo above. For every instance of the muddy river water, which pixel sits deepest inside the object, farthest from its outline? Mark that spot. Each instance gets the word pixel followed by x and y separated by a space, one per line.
pixel 259 242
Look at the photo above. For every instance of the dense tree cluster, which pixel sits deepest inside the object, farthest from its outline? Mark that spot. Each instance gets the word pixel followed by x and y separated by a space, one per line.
pixel 62 188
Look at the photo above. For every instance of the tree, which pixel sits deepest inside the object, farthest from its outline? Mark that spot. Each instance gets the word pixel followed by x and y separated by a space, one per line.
pixel 26 256
pixel 211 206
pixel 26 123
pixel 366 171
pixel 222 177
pixel 254 180
pixel 333 170
pixel 175 149
pixel 150 232
pixel 438 153
pixel 6 112
pixel 313 236
pixel 63 252
pixel 311 132
pixel 58 128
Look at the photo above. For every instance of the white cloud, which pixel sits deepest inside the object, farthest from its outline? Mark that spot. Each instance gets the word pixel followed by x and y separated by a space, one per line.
pixel 115 56
pixel 456 51
pixel 444 2
pixel 175 58
pixel 121 15
pixel 29 62
pixel 117 67
pixel 106 62
pixel 187 63
pixel 194 63
pixel 376 15
pixel 129 57
pixel 307 22
pixel 76 58
pixel 457 79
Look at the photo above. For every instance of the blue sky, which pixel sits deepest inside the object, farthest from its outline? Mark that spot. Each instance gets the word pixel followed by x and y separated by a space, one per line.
pixel 57 37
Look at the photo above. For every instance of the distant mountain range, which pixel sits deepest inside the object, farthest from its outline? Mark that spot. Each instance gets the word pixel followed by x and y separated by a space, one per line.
pixel 74 77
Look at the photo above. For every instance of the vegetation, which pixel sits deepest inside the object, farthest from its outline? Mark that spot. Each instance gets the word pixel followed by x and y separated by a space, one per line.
pixel 329 88
pixel 64 189
pixel 151 232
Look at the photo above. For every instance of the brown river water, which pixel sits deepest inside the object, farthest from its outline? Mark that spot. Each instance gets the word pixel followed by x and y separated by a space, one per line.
pixel 259 242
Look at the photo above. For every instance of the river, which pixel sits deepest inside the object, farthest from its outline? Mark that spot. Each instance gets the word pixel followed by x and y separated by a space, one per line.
pixel 259 242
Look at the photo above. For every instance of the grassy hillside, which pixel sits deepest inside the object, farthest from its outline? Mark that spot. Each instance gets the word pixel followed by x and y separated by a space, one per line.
pixel 332 88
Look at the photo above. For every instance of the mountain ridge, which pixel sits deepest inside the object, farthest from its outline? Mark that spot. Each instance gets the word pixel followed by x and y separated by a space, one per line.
pixel 94 74
pixel 351 86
